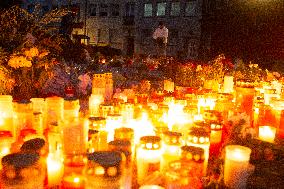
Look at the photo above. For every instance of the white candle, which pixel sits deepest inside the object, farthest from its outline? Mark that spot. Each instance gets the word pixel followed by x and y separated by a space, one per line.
pixel 148 157
pixel 236 170
pixel 267 133
pixel 55 169
pixel 94 104
pixel 228 84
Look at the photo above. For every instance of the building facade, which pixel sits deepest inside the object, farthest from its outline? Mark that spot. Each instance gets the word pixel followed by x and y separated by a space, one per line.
pixel 183 20
pixel 109 22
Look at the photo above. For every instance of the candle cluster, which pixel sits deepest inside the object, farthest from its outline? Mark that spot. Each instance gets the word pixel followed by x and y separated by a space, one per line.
pixel 151 141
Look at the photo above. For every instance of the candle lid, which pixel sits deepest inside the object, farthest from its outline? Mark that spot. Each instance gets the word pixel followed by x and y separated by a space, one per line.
pixel 33 145
pixel 201 125
pixel 20 160
pixel 93 119
pixel 198 136
pixel 37 113
pixel 150 139
pixel 106 158
pixel 192 153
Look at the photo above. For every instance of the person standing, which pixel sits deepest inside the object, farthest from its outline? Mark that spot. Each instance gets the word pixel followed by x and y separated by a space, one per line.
pixel 160 36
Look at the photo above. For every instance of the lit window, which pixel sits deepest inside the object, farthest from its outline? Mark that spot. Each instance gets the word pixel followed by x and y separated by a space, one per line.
pixel 103 9
pixel 148 9
pixel 175 9
pixel 190 8
pixel 161 9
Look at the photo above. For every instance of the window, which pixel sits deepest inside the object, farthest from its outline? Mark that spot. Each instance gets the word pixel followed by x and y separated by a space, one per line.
pixel 175 8
pixel 190 8
pixel 148 9
pixel 103 9
pixel 161 9
pixel 93 10
pixel 114 10
pixel 130 9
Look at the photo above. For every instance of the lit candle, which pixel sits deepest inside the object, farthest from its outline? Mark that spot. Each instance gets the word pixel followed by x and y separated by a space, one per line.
pixel 216 132
pixel 73 181
pixel 228 84
pixel 71 108
pixel 267 133
pixel 75 136
pixel 104 170
pixel 113 121
pixel 236 169
pixel 6 113
pixel 94 104
pixel 148 157
pixel 55 169
pixel 199 137
pixel 6 141
pixel 171 148
pixel 54 109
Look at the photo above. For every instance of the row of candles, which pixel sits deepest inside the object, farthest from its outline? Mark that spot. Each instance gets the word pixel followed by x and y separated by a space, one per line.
pixel 163 137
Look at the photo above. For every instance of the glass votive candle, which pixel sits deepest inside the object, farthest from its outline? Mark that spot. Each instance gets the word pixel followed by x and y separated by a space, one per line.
pixel 37 123
pixel 6 114
pixel 124 133
pixel 103 170
pixel 54 137
pixel 105 110
pixel 6 140
pixel 127 134
pixel 148 157
pixel 73 181
pixel 236 168
pixel 23 116
pixel 22 170
pixel 55 169
pixel 267 133
pixel 94 104
pixel 216 132
pixel 77 130
pixel 97 123
pixel 171 148
pixel 195 156
pixel 54 109
pixel 71 108
pixel 113 121
pixel 92 141
pixel 127 111
pixel 38 105
pixel 199 137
